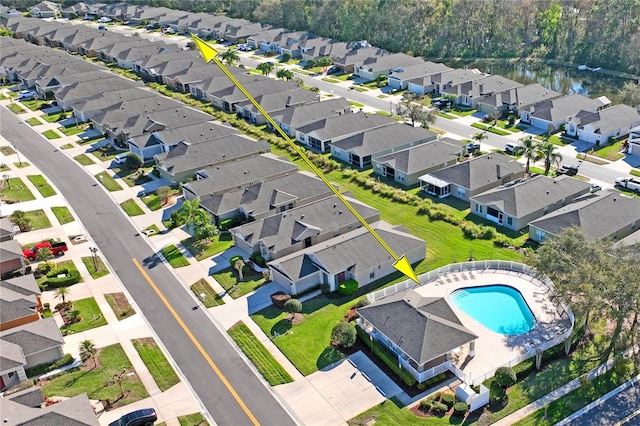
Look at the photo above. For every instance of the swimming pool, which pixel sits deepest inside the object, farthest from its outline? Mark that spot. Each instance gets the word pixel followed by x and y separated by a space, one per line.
pixel 500 308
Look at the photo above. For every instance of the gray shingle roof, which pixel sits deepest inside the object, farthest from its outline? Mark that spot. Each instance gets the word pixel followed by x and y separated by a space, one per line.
pixel 617 117
pixel 599 215
pixel 479 171
pixel 20 409
pixel 35 336
pixel 25 285
pixel 424 156
pixel 106 100
pixel 14 305
pixel 371 142
pixel 456 76
pixel 564 107
pixel 276 101
pixel 425 328
pixel 530 195
pixel 6 228
pixel 521 96
pixel 338 126
pixel 308 113
pixel 11 356
pixel 420 70
pixel 390 62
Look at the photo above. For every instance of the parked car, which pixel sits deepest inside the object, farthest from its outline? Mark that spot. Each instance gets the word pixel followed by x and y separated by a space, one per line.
pixel 102 28
pixel 595 188
pixel 144 417
pixel 104 20
pixel 567 170
pixel 333 70
pixel 121 158
pixel 57 249
pixel 26 94
pixel 473 146
pixel 511 148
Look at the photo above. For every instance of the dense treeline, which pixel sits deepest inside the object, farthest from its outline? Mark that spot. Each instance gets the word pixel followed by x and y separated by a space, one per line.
pixel 603 33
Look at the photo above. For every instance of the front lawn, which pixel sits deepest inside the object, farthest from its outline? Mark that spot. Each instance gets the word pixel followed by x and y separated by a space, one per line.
pixel 84 160
pixel 90 316
pixel 259 356
pixel 119 305
pixel 99 383
pixel 70 131
pixel 42 185
pixel 34 122
pixel 610 152
pixel 206 294
pixel 152 201
pixel 228 279
pixel 194 419
pixel 95 266
pixel 174 256
pixel 132 177
pixel 39 219
pixel 490 129
pixel 51 134
pixel 157 364
pixel 51 118
pixel 204 250
pixel 63 214
pixel 16 109
pixel 131 207
pixel 105 179
pixel 14 190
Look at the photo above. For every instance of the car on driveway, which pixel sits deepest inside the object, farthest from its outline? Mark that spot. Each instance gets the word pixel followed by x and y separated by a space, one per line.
pixel 473 147
pixel 511 148
pixel 26 94
pixel 144 417
pixel 567 170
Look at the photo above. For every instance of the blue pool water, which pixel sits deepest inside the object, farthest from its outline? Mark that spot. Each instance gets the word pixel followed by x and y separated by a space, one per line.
pixel 500 308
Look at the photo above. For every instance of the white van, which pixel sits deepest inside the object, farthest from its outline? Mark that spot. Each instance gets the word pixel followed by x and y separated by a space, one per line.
pixel 121 158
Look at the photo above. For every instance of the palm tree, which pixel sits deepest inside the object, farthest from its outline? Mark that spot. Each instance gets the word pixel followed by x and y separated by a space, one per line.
pixel 88 350
pixel 265 68
pixel 62 293
pixel 547 151
pixel 284 74
pixel 230 57
pixel 529 149
pixel 479 137
pixel 190 214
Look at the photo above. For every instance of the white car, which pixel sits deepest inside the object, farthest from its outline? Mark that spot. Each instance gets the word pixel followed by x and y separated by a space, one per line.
pixel 26 94
pixel 104 20
pixel 121 158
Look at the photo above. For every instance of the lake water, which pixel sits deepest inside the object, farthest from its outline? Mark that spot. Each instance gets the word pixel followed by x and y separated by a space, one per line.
pixel 556 77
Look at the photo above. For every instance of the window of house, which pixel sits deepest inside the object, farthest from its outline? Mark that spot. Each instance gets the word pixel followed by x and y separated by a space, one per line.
pixel 509 220
pixel 540 235
pixel 372 274
pixel 461 192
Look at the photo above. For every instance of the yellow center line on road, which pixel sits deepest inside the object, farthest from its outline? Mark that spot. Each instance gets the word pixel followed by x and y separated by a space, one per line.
pixel 197 344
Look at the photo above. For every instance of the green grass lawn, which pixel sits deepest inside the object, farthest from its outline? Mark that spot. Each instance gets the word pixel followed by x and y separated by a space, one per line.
pixel 101 270
pixel 84 160
pixel 51 134
pixel 194 419
pixel 174 256
pixel 98 383
pixel 13 190
pixel 34 121
pixel 610 152
pixel 119 305
pixel 42 185
pixel 228 279
pixel 356 104
pixel 51 118
pixel 16 109
pixel 591 159
pixel 463 112
pixel 202 250
pixel 152 230
pixel 131 207
pixel 359 89
pixel 91 316
pixel 331 80
pixel 21 164
pixel 261 358
pixel 39 219
pixel 445 115
pixel 152 201
pixel 152 356
pixel 132 177
pixel 491 129
pixel 63 214
pixel 32 104
pixel 70 131
pixel 635 172
pixel 67 146
pixel 210 298
pixel 105 179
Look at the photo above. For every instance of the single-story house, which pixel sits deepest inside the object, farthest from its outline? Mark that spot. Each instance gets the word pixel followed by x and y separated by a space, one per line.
pixel 513 100
pixel 373 67
pixel 316 48
pixel 468 93
pixel 291 118
pixel 24 285
pixel 320 134
pixel 599 126
pixel 186 158
pixel 600 215
pixel 272 102
pixel 407 165
pixel 633 147
pixel 93 105
pixel 7 231
pixel 475 176
pixel 266 198
pixel 18 307
pixel 227 98
pixel 421 331
pixel 46 9
pixel 27 407
pixel 11 258
pixel 205 89
pixel 292 230
pixel 516 204
pixel 403 77
pixel 443 81
pixel 557 111
pixel 68 96
pixel 356 255
pixel 358 54
pixel 358 150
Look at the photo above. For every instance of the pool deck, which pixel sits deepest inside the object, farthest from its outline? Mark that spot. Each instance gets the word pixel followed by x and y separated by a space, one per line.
pixel 492 349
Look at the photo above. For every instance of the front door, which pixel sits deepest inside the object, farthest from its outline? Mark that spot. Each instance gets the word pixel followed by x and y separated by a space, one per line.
pixel 341 277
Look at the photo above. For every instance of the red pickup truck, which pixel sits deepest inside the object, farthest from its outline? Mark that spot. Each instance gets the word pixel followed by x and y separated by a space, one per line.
pixel 57 249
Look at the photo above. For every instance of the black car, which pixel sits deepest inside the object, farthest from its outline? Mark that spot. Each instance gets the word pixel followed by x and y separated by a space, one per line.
pixel 144 417
pixel 567 170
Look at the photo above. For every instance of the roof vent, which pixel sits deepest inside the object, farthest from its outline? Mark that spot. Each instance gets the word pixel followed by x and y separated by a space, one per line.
pixel 335 205
pixel 246 172
pixel 547 192
pixel 302 217
pixel 340 212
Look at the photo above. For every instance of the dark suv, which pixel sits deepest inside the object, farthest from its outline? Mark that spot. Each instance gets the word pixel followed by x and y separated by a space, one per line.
pixel 144 417
pixel 567 170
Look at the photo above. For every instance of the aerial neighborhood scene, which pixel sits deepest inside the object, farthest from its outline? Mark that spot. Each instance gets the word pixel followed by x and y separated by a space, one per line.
pixel 296 212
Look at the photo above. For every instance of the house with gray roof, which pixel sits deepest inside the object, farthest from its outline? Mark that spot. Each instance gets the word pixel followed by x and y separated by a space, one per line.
pixel 205 89
pixel 111 116
pixel 600 127
pixel 415 78
pixel 358 55
pixel 25 285
pixel 17 308
pixel 27 407
pixel 472 177
pixel 516 204
pixel 182 80
pixel 360 149
pixel 293 117
pixel 266 198
pixel 421 331
pixel 91 106
pixel 201 131
pixel 316 48
pixel 151 68
pixel 405 166
pixel 373 67
pixel 557 111
pixel 633 147
pixel 292 230
pixel 468 93
pixel 236 175
pixel 46 9
pixel 320 134
pixel 6 229
pixel 28 345
pixel 11 258
pixel 272 102
pixel 204 24
pixel 513 100
pixel 47 78
pixel 356 255
pixel 186 158
pixel 238 30
pixel 446 80
pixel 227 98
pixel 601 215
pixel 77 92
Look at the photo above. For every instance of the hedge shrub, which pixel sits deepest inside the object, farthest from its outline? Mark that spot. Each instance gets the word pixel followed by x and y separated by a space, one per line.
pixel 343 334
pixel 448 399
pixel 426 405
pixel 439 408
pixel 505 377
pixel 496 394
pixel 40 369
pixel 258 259
pixel 233 260
pixel 460 409
pixel 70 277
pixel 348 287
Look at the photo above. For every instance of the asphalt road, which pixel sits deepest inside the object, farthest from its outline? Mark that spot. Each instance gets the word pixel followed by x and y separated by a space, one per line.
pixel 617 410
pixel 120 242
